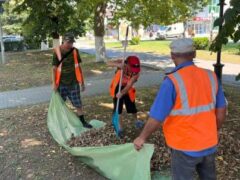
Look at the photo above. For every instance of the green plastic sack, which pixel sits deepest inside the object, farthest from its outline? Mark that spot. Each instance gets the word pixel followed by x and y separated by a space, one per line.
pixel 113 162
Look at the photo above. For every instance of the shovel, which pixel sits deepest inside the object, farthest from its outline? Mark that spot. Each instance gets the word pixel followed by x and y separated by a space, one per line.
pixel 115 117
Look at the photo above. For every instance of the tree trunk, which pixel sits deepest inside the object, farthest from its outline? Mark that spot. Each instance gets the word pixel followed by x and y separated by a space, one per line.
pixel 44 45
pixel 56 40
pixel 185 29
pixel 99 31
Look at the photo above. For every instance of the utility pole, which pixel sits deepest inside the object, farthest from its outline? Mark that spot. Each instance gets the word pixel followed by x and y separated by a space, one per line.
pixel 1 33
pixel 218 66
pixel 2 44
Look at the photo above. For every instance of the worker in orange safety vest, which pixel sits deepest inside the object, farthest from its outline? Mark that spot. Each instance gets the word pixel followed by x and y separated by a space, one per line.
pixel 191 107
pixel 67 76
pixel 131 72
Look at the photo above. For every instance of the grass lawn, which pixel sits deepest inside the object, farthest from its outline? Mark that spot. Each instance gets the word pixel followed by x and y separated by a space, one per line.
pixel 229 54
pixel 33 68
pixel 27 150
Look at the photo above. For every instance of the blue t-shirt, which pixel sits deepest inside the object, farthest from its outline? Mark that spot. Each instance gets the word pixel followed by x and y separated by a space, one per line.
pixel 165 100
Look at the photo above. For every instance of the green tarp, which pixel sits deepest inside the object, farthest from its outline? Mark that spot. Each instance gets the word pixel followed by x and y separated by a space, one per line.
pixel 120 162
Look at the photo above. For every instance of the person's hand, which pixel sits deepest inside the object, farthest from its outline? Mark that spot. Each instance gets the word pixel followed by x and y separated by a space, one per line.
pixel 138 143
pixel 119 95
pixel 120 65
pixel 54 87
pixel 82 87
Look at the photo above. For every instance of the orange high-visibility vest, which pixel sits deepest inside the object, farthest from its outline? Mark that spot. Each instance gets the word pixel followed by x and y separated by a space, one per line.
pixel 78 70
pixel 114 83
pixel 191 125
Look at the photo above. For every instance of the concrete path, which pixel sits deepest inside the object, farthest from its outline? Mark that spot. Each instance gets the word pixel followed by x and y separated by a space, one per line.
pixel 96 86
pixel 10 99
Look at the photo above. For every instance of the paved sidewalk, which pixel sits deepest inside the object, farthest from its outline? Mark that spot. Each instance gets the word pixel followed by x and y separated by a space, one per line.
pixel 96 86
pixel 36 95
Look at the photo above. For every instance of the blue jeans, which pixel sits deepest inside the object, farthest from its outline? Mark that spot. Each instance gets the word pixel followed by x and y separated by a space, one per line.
pixel 183 167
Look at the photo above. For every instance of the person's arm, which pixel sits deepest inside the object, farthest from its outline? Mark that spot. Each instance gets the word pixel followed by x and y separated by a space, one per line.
pixel 128 86
pixel 79 57
pixel 54 69
pixel 82 84
pixel 160 109
pixel 55 64
pixel 220 116
pixel 221 107
pixel 151 126
pixel 116 63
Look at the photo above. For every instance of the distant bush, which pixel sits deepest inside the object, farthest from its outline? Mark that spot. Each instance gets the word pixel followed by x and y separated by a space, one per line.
pixel 135 40
pixel 32 42
pixel 50 42
pixel 201 42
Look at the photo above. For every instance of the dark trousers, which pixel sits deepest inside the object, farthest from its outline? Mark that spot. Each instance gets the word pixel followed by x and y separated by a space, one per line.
pixel 125 99
pixel 183 167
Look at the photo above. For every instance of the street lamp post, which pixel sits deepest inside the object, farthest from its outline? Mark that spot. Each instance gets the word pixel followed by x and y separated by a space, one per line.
pixel 218 66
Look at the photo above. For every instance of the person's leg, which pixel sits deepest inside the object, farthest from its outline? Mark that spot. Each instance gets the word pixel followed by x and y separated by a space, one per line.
pixel 131 108
pixel 183 166
pixel 79 111
pixel 75 98
pixel 206 169
pixel 63 92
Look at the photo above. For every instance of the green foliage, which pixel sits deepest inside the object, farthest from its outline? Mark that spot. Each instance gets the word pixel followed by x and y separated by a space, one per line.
pixel 32 43
pixel 94 12
pixel 143 12
pixel 230 28
pixel 49 18
pixel 155 12
pixel 201 42
pixel 135 40
pixel 50 42
pixel 44 18
pixel 12 21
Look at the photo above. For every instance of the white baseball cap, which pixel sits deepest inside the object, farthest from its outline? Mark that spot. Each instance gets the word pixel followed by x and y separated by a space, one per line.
pixel 183 45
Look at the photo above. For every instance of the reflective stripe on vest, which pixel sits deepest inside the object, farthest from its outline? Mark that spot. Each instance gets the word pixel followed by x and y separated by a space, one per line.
pixel 186 110
pixel 191 125
pixel 78 70
pixel 77 65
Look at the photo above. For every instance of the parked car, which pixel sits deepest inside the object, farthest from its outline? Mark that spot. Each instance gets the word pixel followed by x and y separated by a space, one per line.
pixel 14 43
pixel 172 31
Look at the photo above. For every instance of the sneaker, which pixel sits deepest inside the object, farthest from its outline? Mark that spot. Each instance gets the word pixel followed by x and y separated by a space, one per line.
pixel 120 133
pixel 139 124
pixel 86 124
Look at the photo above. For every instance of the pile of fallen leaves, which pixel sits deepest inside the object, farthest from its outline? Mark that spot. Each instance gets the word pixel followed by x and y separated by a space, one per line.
pixel 227 157
pixel 106 136
pixel 228 154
